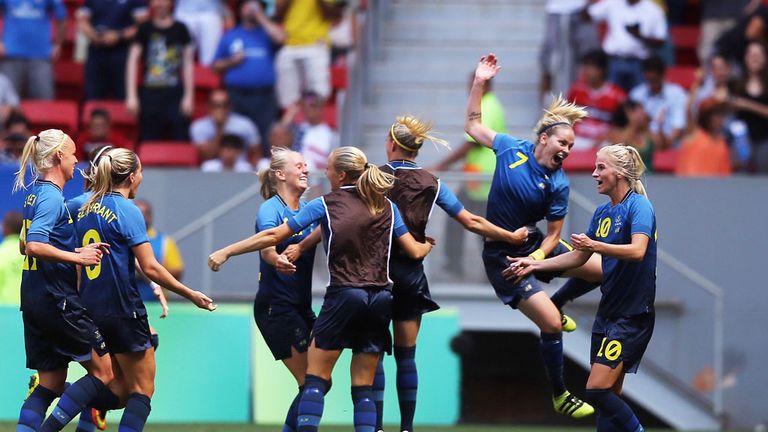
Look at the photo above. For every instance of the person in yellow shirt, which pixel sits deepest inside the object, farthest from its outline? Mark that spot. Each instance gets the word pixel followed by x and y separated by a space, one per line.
pixel 11 260
pixel 165 249
pixel 303 64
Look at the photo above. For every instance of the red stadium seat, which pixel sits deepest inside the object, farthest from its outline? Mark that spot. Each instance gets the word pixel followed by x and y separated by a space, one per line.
pixel 686 42
pixel 70 80
pixel 665 161
pixel 681 75
pixel 123 122
pixel 339 76
pixel 45 114
pixel 580 161
pixel 206 80
pixel 168 154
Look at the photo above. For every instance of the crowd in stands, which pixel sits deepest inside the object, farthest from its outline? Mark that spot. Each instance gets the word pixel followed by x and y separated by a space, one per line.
pixel 683 81
pixel 207 82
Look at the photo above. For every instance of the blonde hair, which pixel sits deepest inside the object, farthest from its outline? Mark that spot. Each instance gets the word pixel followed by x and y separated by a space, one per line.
pixel 627 162
pixel 111 168
pixel 39 151
pixel 279 160
pixel 560 113
pixel 372 184
pixel 410 132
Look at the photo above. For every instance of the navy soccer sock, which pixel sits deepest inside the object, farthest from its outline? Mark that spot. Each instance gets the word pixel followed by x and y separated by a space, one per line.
pixel 137 410
pixel 292 417
pixel 74 399
pixel 33 410
pixel 407 385
pixel 572 290
pixel 378 394
pixel 365 409
pixel 616 413
pixel 551 348
pixel 85 424
pixel 105 400
pixel 312 403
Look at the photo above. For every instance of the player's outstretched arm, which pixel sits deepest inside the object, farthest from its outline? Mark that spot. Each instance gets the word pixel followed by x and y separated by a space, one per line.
pixel 264 239
pixel 523 266
pixel 480 225
pixel 634 251
pixel 414 249
pixel 486 69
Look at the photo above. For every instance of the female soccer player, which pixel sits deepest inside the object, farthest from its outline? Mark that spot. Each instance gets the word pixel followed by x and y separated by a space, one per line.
pixel 283 305
pixel 623 232
pixel 357 222
pixel 109 289
pixel 416 192
pixel 529 185
pixel 57 328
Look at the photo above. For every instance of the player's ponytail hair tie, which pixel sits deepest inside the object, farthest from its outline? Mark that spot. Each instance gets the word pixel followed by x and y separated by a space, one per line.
pixel 560 112
pixel 410 132
pixel 95 160
pixel 367 166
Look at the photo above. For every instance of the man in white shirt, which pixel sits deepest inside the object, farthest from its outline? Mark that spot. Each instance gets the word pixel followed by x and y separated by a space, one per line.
pixel 314 138
pixel 229 159
pixel 635 28
pixel 208 131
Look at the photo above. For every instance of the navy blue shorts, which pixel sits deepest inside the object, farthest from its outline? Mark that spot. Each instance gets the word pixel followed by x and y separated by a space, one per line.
pixel 57 332
pixel 495 259
pixel 410 292
pixel 284 326
pixel 622 339
pixel 356 318
pixel 125 335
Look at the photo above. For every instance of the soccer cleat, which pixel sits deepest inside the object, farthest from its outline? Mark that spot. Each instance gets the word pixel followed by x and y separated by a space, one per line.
pixel 99 419
pixel 569 324
pixel 570 405
pixel 34 381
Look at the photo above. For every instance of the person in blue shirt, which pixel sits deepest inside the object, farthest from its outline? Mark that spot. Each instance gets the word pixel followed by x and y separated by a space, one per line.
pixel 623 232
pixel 57 328
pixel 26 46
pixel 416 192
pixel 529 185
pixel 359 225
pixel 108 290
pixel 246 58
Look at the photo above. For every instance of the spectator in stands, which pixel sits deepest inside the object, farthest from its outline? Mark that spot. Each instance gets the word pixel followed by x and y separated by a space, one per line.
pixel 314 138
pixel 99 133
pixel 10 260
pixel 17 123
pixel 566 38
pixel 26 49
pixel 165 249
pixel 9 99
pixel 753 27
pixel 165 100
pixel 717 17
pixel 718 82
pixel 343 31
pixel 750 102
pixel 635 28
pixel 11 148
pixel 208 131
pixel 305 57
pixel 704 151
pixel 230 156
pixel 280 135
pixel 246 58
pixel 630 126
pixel 206 20
pixel 663 101
pixel 109 27
pixel 598 96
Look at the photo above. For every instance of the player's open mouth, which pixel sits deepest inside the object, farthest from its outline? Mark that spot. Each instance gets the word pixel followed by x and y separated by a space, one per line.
pixel 303 178
pixel 559 158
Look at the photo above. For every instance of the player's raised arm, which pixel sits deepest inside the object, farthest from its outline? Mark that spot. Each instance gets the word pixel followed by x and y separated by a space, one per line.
pixel 486 69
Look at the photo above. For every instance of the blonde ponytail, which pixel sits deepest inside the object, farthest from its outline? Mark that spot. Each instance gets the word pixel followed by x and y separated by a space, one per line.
pixel 279 160
pixel 110 169
pixel 561 112
pixel 627 162
pixel 410 132
pixel 372 184
pixel 38 153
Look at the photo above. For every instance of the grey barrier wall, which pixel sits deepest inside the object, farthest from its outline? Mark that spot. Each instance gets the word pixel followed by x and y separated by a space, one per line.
pixel 715 226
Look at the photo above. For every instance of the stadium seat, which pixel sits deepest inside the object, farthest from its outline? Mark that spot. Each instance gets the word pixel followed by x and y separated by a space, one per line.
pixel 168 154
pixel 686 41
pixel 206 80
pixel 580 161
pixel 681 75
pixel 70 79
pixel 665 161
pixel 339 76
pixel 45 114
pixel 123 122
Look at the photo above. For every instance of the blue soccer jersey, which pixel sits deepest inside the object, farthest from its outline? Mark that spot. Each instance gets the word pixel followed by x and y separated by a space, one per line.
pixel 524 192
pixel 47 220
pixel 629 287
pixel 109 289
pixel 295 289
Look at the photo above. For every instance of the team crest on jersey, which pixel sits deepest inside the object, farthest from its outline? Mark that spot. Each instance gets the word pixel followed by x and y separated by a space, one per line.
pixel 542 186
pixel 617 224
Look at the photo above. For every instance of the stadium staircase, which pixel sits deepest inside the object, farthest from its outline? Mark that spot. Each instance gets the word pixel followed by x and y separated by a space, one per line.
pixel 417 57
